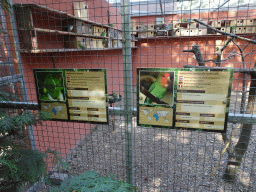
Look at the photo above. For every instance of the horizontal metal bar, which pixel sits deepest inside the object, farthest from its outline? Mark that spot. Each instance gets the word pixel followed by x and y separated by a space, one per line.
pixel 242 118
pixel 19 105
pixel 6 62
pixel 10 79
pixel 121 111
pixel 232 117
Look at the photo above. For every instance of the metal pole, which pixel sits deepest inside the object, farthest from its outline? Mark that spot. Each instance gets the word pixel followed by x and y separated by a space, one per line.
pixel 127 68
pixel 20 67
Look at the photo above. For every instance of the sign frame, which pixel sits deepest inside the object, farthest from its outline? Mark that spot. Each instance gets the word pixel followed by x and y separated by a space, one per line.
pixel 62 102
pixel 176 85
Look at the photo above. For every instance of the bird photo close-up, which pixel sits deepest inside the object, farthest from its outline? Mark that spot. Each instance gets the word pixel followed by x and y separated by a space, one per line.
pixel 156 87
pixel 51 86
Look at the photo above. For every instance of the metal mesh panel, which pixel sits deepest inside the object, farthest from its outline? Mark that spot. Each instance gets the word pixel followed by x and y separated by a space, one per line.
pixel 96 34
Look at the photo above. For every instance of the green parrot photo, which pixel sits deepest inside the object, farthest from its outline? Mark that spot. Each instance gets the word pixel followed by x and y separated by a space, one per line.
pixel 53 88
pixel 159 87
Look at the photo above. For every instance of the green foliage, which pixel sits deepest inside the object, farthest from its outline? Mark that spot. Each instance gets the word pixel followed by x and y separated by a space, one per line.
pixel 5 5
pixel 6 96
pixel 18 164
pixel 91 181
pixel 16 123
pixel 22 165
pixel 57 160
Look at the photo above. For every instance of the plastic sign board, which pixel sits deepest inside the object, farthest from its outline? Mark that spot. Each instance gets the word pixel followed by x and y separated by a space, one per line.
pixel 195 99
pixel 73 94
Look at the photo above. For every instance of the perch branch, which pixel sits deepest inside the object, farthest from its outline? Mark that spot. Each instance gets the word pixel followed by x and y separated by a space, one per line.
pixel 235 158
pixel 149 95
pixel 209 60
pixel 225 148
pixel 232 54
pixel 219 52
pixel 225 140
pixel 244 75
pixel 226 43
pixel 196 50
pixel 249 53
pixel 225 33
pixel 247 44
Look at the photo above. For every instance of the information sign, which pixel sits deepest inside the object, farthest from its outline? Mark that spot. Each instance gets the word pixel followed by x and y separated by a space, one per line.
pixel 184 98
pixel 73 94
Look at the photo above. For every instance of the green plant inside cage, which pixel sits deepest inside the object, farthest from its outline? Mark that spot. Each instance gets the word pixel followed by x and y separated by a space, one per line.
pixel 92 181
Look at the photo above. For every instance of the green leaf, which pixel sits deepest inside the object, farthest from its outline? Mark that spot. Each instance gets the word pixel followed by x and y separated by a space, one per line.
pixel 5 4
pixel 4 96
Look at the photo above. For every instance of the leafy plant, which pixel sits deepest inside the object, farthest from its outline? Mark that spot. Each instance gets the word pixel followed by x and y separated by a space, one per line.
pixel 5 4
pixel 57 160
pixel 92 181
pixel 18 163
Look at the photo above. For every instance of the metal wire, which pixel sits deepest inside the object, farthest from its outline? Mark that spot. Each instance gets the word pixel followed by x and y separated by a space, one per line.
pixel 67 35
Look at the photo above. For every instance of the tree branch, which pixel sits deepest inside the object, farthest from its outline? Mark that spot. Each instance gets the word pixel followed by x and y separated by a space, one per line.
pixel 247 44
pixel 232 54
pixel 249 53
pixel 149 95
pixel 225 33
pixel 244 75
pixel 210 60
pixel 196 50
pixel 235 158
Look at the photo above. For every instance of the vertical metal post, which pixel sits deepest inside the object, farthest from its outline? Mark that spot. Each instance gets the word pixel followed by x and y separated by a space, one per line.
pixel 127 68
pixel 21 71
pixel 17 52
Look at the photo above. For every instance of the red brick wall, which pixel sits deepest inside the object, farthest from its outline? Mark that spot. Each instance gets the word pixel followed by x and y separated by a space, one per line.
pixel 169 52
pixel 62 136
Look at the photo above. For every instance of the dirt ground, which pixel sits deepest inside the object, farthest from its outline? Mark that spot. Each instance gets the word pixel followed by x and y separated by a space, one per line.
pixel 163 159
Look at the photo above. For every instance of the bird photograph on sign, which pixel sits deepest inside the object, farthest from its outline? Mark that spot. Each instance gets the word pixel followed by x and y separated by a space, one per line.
pixel 156 87
pixel 51 86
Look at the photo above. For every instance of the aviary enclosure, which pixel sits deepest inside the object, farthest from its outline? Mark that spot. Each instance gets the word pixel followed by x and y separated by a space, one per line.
pixel 81 61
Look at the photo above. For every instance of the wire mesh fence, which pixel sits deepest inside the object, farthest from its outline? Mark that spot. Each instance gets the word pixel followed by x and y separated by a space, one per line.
pixel 121 36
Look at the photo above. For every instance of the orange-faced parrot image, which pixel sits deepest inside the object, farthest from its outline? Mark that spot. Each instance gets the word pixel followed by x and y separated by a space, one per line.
pixel 159 87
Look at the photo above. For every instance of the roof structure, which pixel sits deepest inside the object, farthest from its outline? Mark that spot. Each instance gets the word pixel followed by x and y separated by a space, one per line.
pixel 149 7
pixel 165 7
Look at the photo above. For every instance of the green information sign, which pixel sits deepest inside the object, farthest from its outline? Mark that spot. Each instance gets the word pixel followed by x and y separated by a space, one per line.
pixel 195 99
pixel 73 94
